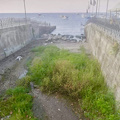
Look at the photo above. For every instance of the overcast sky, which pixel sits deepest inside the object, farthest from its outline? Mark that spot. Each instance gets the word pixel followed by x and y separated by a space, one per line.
pixel 40 6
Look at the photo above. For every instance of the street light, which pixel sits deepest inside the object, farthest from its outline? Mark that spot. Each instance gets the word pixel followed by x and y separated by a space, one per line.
pixel 99 7
pixel 25 11
pixel 107 7
pixel 96 8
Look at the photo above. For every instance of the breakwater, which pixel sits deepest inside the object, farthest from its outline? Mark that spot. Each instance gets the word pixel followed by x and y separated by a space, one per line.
pixel 16 33
pixel 105 45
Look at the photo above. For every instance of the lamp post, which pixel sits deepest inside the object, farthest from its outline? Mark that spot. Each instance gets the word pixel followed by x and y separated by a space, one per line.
pixel 116 12
pixel 99 7
pixel 96 8
pixel 25 11
pixel 107 7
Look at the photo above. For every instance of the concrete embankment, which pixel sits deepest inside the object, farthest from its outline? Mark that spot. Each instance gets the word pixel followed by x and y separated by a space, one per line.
pixel 16 37
pixel 105 48
pixel 46 30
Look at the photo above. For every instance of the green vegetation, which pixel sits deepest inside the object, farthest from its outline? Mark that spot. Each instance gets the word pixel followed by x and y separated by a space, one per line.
pixel 76 76
pixel 17 104
pixel 72 75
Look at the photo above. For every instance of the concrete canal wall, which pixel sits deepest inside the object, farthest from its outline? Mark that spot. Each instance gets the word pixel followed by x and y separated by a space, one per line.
pixel 15 37
pixel 106 48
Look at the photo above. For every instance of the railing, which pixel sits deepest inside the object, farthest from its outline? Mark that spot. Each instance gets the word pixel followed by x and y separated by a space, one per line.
pixel 12 22
pixel 109 26
pixel 109 23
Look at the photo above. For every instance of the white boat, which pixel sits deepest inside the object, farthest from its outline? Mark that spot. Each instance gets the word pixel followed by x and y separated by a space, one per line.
pixel 64 17
pixel 39 14
pixel 83 15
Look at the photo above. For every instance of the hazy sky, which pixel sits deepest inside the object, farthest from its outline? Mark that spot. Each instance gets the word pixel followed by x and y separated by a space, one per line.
pixel 16 6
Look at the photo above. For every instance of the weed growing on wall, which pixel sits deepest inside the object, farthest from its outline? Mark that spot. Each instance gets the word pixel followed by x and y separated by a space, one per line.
pixel 115 48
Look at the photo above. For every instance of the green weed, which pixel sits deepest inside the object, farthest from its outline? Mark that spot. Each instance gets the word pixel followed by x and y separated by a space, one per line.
pixel 17 103
pixel 76 76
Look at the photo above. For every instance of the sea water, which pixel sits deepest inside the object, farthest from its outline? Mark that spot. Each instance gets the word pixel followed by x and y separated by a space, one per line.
pixel 72 25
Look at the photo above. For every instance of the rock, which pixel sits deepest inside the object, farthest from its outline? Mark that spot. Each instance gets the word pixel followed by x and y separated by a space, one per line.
pixel 59 36
pixel 45 35
pixel 2 72
pixel 84 37
pixel 23 75
pixel 46 40
pixel 6 118
pixel 78 36
pixel 78 40
pixel 45 44
pixel 71 36
pixel 55 37
pixel 68 36
pixel 49 38
pixel 36 86
pixel 32 85
pixel 64 38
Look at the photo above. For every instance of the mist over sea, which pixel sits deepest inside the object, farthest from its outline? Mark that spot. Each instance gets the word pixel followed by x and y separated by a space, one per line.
pixel 73 25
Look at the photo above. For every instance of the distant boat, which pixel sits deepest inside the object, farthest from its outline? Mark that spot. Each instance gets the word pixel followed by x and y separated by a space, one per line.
pixel 83 16
pixel 39 14
pixel 64 17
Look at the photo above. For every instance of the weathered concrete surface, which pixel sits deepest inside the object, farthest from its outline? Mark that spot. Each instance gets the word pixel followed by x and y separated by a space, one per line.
pixel 54 108
pixel 46 29
pixel 14 38
pixel 106 50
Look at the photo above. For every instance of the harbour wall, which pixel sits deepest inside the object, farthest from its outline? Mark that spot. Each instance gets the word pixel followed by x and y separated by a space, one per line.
pixel 15 37
pixel 105 47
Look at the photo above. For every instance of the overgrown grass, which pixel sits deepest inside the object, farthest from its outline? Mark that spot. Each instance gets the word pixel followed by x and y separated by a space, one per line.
pixel 76 76
pixel 16 104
